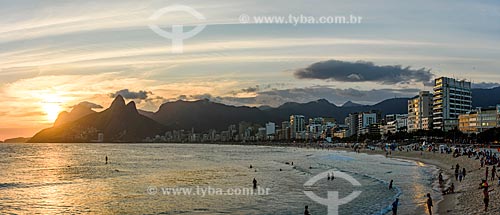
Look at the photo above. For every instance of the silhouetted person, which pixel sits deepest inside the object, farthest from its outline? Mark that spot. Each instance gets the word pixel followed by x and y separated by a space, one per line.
pixel 106 159
pixel 493 173
pixel 254 183
pixel 486 173
pixel 486 198
pixel 306 210
pixel 390 184
pixel 429 203
pixel 395 207
pixel 441 180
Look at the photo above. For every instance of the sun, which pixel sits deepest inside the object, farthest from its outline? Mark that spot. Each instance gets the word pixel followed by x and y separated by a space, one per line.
pixel 52 110
pixel 51 105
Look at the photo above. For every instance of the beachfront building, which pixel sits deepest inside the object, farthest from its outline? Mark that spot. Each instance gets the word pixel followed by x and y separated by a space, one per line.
pixel 420 112
pixel 297 126
pixel 451 98
pixel 352 124
pixel 270 128
pixel 394 123
pixel 365 120
pixel 479 120
pixel 285 131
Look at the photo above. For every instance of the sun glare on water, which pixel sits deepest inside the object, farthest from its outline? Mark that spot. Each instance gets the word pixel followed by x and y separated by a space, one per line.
pixel 52 107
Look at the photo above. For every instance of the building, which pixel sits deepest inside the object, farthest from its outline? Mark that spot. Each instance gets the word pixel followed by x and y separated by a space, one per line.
pixel 420 112
pixel 451 98
pixel 285 130
pixel 270 129
pixel 365 120
pixel 394 123
pixel 368 118
pixel 479 120
pixel 352 122
pixel 359 123
pixel 297 126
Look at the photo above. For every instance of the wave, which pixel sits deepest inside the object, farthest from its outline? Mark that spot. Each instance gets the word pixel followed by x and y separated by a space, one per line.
pixel 398 193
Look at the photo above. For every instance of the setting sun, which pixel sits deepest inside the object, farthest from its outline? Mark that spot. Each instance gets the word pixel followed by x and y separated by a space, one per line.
pixel 52 110
pixel 51 105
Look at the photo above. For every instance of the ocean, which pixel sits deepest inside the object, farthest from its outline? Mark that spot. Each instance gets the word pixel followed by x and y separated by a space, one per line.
pixel 201 179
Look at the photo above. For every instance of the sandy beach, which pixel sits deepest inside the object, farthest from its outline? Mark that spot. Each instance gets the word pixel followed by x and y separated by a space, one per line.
pixel 468 198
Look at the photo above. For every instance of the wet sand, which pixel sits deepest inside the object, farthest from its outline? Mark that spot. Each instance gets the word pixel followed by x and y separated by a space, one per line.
pixel 468 198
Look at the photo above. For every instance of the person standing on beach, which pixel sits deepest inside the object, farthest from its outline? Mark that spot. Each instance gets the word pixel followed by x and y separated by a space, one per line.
pixel 106 159
pixel 464 172
pixel 493 173
pixel 395 207
pixel 441 180
pixel 254 183
pixel 390 184
pixel 429 203
pixel 486 198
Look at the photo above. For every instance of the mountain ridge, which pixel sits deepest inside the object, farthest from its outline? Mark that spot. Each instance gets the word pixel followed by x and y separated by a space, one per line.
pixel 118 123
pixel 203 115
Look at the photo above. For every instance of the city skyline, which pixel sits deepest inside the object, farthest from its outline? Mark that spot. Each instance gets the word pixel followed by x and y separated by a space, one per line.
pixel 55 56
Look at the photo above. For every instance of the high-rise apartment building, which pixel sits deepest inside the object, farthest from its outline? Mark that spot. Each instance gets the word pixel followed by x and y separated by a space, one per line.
pixel 420 112
pixel 297 126
pixel 451 98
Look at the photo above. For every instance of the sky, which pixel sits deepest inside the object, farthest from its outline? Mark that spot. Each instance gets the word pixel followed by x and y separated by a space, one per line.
pixel 56 54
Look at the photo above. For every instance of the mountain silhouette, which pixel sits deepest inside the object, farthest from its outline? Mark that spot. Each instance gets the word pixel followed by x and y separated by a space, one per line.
pixel 124 123
pixel 485 97
pixel 119 123
pixel 76 113
pixel 203 115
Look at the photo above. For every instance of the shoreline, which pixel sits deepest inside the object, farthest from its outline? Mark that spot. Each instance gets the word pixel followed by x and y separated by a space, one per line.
pixel 467 199
pixel 446 201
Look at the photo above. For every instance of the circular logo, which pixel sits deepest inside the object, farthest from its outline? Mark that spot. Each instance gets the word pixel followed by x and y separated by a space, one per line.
pixel 177 35
pixel 332 201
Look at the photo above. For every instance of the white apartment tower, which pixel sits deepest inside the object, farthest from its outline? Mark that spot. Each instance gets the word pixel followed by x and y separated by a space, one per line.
pixel 451 98
pixel 297 125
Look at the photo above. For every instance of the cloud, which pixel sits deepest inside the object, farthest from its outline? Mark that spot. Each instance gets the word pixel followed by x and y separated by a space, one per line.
pixel 361 71
pixel 485 85
pixel 250 89
pixel 127 94
pixel 182 97
pixel 89 105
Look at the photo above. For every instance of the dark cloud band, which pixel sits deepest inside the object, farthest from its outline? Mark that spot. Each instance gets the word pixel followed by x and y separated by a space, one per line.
pixel 360 71
pixel 127 94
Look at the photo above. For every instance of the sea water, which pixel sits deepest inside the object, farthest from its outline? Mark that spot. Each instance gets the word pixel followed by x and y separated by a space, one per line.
pixel 171 178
